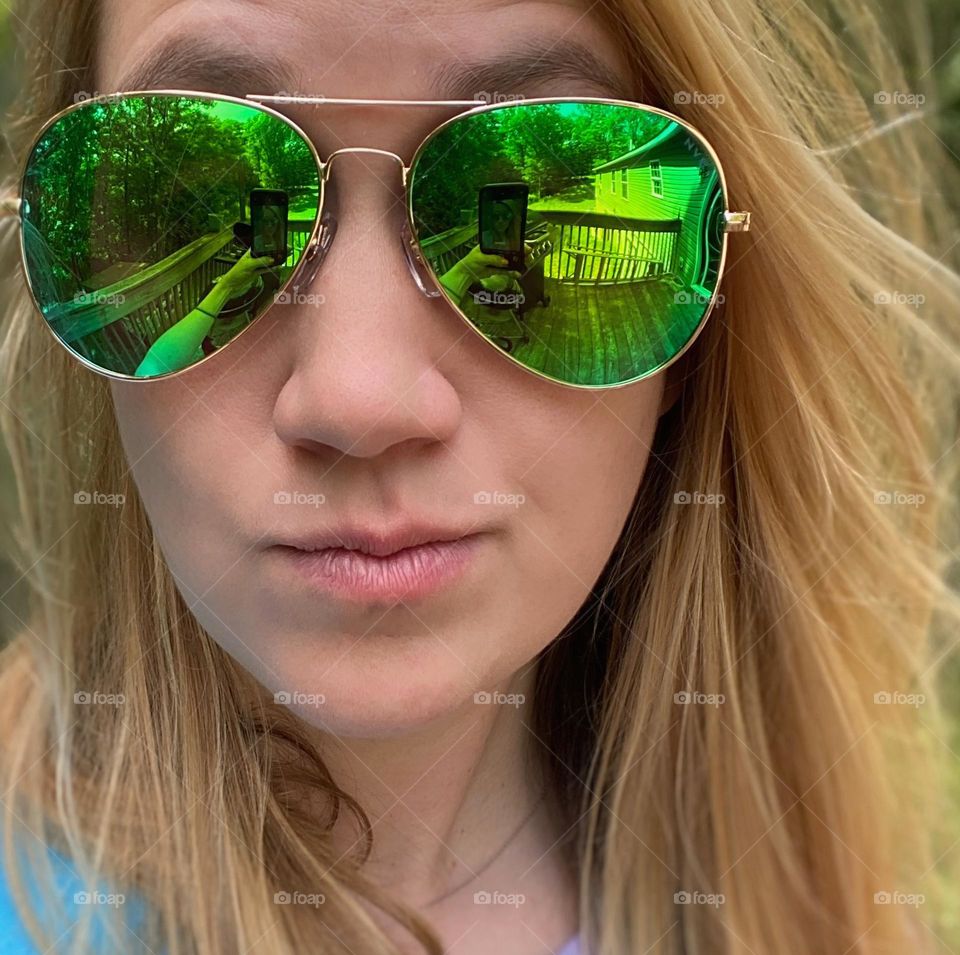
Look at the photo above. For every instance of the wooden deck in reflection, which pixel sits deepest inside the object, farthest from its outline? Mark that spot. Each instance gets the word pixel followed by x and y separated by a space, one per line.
pixel 597 334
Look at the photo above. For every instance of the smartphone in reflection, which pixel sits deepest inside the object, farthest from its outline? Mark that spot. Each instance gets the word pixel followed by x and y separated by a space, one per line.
pixel 502 220
pixel 268 219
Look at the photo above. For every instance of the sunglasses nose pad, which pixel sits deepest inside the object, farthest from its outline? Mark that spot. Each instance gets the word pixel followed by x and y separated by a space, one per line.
pixel 317 252
pixel 421 272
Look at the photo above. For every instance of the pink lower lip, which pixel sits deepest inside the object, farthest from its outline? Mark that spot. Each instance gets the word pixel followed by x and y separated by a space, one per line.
pixel 409 574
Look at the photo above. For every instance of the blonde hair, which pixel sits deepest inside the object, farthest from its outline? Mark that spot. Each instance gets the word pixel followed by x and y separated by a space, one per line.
pixel 819 402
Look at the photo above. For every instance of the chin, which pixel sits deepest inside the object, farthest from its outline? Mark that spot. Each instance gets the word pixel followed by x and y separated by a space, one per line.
pixel 374 685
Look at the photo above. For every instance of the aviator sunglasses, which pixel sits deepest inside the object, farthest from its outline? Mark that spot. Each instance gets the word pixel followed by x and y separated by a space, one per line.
pixel 584 239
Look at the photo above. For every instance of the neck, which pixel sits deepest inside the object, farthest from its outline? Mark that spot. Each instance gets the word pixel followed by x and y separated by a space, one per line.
pixel 458 807
pixel 444 798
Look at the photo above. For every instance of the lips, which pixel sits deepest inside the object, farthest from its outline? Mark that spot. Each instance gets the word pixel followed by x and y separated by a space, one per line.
pixel 363 565
pixel 372 541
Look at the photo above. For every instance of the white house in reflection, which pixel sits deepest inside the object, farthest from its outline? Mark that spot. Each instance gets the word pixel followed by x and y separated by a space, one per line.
pixel 668 178
pixel 638 217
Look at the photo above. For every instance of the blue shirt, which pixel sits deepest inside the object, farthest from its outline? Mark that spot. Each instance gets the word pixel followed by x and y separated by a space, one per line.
pixel 572 947
pixel 14 939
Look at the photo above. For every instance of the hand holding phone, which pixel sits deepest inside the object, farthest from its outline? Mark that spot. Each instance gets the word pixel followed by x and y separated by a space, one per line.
pixel 243 274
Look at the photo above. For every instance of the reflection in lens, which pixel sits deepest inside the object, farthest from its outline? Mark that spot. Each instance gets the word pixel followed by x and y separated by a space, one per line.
pixel 137 226
pixel 623 234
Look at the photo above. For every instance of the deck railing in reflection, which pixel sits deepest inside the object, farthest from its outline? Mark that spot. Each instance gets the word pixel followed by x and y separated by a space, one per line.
pixel 588 248
pixel 601 249
pixel 120 321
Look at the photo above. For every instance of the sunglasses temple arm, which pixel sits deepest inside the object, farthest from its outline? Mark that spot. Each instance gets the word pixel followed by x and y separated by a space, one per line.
pixel 736 221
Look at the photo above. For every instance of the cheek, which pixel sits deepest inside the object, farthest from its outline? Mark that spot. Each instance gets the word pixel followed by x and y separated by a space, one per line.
pixel 559 467
pixel 576 465
pixel 190 456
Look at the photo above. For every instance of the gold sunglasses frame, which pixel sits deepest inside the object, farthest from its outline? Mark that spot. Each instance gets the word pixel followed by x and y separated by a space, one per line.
pixel 317 244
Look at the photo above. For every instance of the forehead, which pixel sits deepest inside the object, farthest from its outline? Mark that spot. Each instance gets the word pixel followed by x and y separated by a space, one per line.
pixel 406 49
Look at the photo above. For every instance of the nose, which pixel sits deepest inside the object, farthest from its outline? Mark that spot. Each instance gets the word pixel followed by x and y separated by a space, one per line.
pixel 318 250
pixel 366 343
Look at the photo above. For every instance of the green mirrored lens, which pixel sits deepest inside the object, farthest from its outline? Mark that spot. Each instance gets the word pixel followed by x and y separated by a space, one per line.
pixel 611 214
pixel 157 227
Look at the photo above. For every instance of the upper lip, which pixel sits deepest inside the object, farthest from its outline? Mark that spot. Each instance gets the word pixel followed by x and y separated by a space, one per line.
pixel 374 541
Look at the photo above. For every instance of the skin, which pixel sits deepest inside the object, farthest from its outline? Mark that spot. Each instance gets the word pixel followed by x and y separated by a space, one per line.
pixel 382 400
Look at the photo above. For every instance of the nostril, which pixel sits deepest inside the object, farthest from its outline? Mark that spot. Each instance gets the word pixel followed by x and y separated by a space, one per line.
pixel 421 272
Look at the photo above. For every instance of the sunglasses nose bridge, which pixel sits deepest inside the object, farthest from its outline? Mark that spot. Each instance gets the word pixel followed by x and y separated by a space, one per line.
pixel 418 267
pixel 326 166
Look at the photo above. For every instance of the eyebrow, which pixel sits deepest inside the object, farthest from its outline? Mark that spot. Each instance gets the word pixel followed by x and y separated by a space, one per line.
pixel 535 63
pixel 206 65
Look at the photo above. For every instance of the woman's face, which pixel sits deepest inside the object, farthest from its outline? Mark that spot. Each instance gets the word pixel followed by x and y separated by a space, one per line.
pixel 365 403
pixel 501 216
